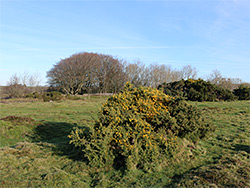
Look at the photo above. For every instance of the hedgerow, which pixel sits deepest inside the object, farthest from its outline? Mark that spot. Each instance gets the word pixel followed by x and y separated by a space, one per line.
pixel 138 128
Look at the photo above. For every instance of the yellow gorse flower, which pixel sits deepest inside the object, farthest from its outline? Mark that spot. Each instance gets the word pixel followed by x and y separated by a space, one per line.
pixel 132 112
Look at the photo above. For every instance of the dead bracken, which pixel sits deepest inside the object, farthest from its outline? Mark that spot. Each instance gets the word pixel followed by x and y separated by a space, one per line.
pixel 18 119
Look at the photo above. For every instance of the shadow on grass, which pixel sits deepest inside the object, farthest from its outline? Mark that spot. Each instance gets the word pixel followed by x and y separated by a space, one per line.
pixel 56 133
pixel 239 147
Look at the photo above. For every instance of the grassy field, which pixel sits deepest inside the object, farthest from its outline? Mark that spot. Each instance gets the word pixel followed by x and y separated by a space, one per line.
pixel 35 150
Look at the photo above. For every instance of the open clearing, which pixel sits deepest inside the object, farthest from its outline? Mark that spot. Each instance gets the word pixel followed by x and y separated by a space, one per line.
pixel 35 150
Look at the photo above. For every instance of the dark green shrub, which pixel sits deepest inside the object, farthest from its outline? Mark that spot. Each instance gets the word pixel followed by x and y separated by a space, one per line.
pixel 190 123
pixel 72 97
pixel 52 96
pixel 138 128
pixel 35 95
pixel 47 96
pixel 30 95
pixel 243 92
pixel 197 90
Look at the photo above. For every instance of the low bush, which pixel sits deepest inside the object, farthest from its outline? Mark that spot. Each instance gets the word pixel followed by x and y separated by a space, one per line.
pixel 46 96
pixel 52 96
pixel 34 95
pixel 72 97
pixel 197 90
pixel 138 128
pixel 243 92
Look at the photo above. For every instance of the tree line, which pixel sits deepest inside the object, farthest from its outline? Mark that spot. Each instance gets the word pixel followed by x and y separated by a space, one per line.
pixel 20 85
pixel 99 73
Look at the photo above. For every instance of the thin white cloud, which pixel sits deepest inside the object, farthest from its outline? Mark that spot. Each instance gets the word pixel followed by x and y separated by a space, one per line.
pixel 30 49
pixel 130 47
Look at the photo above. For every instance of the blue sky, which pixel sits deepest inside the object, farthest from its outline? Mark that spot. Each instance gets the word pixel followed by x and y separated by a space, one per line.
pixel 208 35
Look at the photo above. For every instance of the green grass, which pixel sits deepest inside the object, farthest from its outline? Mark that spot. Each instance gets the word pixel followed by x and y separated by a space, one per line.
pixel 35 151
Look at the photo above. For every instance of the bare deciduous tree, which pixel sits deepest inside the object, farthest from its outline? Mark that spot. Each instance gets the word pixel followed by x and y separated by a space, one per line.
pixel 138 74
pixel 188 72
pixel 215 77
pixel 228 83
pixel 176 75
pixel 86 71
pixel 17 85
pixel 34 80
pixel 72 74
pixel 14 79
pixel 159 74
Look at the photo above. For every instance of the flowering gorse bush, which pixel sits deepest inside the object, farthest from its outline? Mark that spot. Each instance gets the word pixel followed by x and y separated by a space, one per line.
pixel 137 128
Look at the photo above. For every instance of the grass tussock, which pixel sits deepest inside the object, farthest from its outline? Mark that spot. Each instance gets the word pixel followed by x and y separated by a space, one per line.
pixel 17 119
pixel 228 171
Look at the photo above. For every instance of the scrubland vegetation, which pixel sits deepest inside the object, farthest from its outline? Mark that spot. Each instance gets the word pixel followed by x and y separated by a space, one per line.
pixel 139 127
pixel 163 128
pixel 36 150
